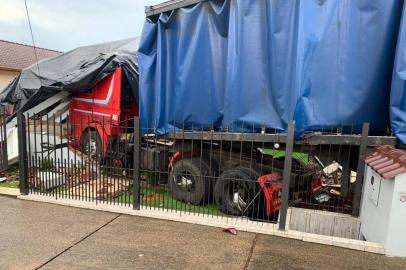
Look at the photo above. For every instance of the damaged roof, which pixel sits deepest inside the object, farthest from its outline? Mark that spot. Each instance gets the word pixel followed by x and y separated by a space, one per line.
pixel 16 56
pixel 76 71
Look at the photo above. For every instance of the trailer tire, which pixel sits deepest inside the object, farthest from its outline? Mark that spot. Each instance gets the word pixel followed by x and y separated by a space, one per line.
pixel 235 181
pixel 189 180
pixel 258 208
pixel 91 145
pixel 214 173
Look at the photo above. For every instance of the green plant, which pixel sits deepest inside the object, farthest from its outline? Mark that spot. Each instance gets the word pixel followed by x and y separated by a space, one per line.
pixel 47 163
pixel 151 178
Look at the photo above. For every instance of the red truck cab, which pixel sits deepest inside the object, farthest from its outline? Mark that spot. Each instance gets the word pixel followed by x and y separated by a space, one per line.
pixel 97 116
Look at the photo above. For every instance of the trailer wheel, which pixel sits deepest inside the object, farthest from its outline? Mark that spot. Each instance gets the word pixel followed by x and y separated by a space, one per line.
pixel 189 180
pixel 235 190
pixel 91 145
pixel 213 165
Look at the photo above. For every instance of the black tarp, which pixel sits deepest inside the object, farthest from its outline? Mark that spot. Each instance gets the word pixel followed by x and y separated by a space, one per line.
pixel 75 71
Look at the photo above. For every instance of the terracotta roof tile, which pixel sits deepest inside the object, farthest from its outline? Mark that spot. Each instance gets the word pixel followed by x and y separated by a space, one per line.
pixel 17 56
pixel 387 161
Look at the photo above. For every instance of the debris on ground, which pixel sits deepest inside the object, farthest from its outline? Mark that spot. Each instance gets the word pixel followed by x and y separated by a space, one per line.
pixel 331 179
pixel 232 231
pixel 353 177
pixel 332 174
pixel 152 198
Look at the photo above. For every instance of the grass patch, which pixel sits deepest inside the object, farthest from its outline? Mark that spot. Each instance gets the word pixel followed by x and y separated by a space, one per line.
pixel 12 175
pixel 157 197
pixel 9 184
pixel 275 153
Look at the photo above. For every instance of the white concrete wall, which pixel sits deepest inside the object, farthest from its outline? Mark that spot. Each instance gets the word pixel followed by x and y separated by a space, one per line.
pixel 324 223
pixel 60 155
pixel 395 244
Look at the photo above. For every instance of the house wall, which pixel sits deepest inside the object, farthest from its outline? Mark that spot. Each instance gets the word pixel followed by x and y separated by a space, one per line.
pixel 6 76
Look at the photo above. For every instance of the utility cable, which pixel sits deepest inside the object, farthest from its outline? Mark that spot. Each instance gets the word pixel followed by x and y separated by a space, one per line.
pixel 33 42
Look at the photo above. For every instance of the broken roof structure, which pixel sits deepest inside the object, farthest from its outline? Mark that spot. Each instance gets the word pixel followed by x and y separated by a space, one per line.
pixel 75 71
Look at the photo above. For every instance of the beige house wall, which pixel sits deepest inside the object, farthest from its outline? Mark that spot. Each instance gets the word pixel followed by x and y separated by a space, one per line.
pixel 6 76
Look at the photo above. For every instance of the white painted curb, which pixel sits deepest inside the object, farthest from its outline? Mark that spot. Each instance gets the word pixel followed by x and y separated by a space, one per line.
pixel 215 221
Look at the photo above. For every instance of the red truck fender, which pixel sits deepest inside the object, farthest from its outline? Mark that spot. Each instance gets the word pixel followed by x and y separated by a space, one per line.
pixel 178 155
pixel 271 185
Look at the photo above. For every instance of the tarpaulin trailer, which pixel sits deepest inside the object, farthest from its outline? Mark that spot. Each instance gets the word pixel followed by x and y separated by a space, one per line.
pixel 246 65
pixel 239 70
pixel 398 90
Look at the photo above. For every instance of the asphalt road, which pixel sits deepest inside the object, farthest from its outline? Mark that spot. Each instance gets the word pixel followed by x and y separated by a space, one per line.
pixel 44 236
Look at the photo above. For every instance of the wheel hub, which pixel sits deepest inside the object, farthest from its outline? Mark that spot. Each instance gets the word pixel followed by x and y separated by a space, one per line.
pixel 91 148
pixel 239 201
pixel 185 182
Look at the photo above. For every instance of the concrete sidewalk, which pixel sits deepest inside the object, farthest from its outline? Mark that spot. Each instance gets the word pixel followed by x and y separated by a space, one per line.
pixel 37 235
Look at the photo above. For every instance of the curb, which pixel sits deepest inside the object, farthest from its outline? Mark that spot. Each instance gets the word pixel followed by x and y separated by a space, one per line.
pixel 245 225
pixel 10 192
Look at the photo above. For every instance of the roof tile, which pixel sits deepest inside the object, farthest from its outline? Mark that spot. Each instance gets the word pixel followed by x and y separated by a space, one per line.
pixel 387 161
pixel 17 56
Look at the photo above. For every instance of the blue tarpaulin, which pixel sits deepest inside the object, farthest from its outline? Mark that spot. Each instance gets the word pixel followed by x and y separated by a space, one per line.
pixel 242 65
pixel 398 92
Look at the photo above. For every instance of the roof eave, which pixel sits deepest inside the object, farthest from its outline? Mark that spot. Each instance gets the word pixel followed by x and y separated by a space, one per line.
pixel 10 69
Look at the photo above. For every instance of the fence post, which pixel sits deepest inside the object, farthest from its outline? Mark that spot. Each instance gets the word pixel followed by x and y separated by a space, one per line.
pixel 136 159
pixel 3 128
pixel 22 154
pixel 360 170
pixel 286 175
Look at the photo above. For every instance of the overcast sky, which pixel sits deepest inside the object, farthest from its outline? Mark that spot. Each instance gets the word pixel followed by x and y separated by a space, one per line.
pixel 66 24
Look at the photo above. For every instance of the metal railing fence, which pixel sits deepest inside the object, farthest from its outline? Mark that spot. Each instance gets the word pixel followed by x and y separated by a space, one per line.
pixel 246 176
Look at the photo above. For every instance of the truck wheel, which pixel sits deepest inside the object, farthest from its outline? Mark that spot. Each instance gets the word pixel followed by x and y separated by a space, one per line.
pixel 91 145
pixel 189 180
pixel 213 165
pixel 234 191
pixel 258 207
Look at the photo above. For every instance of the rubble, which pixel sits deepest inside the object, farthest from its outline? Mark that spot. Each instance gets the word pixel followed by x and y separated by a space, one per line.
pixel 232 231
pixel 332 174
pixel 331 179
